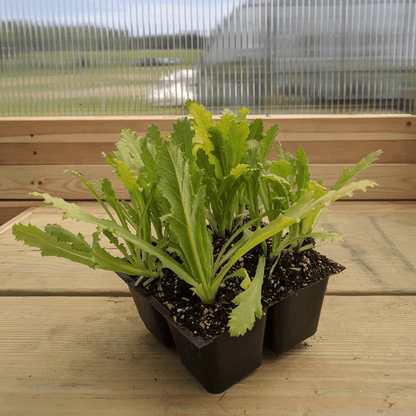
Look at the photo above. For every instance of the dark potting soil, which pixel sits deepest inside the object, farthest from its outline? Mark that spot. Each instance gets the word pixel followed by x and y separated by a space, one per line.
pixel 294 271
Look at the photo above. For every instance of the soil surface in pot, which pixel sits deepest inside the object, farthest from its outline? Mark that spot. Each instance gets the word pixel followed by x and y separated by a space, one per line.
pixel 294 271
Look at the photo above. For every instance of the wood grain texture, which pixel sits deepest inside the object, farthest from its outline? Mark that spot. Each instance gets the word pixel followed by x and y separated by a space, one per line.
pixel 93 356
pixel 10 209
pixel 35 151
pixel 373 207
pixel 293 128
pixel 34 126
pixel 38 126
pixel 317 152
pixel 344 152
pixel 285 135
pixel 68 348
pixel 59 153
pixel 378 251
pixel 16 182
pixel 395 181
pixel 21 214
pixel 7 213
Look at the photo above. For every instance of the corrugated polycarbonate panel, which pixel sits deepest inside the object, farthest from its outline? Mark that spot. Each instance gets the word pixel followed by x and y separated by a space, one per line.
pixel 126 57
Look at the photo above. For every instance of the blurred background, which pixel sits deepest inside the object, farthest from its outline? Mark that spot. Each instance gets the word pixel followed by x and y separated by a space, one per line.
pixel 125 57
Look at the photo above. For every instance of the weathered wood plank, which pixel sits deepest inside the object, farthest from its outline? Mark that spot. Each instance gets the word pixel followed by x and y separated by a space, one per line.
pixel 93 356
pixel 318 152
pixel 395 181
pixel 379 252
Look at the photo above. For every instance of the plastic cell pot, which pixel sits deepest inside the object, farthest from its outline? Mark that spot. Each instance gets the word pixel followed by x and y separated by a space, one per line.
pixel 151 311
pixel 295 318
pixel 217 363
pixel 220 362
pixel 223 361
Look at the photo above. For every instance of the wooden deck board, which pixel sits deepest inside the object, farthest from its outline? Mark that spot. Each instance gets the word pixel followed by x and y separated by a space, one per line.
pixel 87 353
pixel 379 252
pixel 92 356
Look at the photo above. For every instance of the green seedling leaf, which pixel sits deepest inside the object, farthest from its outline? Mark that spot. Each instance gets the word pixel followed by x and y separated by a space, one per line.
pixel 269 140
pixel 92 188
pixel 114 241
pixel 105 261
pixel 183 135
pixel 291 216
pixel 309 222
pixel 187 217
pixel 350 174
pixel 110 197
pixel 73 211
pixel 202 123
pixel 129 149
pixel 249 307
pixel 49 245
pixel 235 143
pixel 347 190
pixel 242 114
pixel 241 273
pixel 303 175
pixel 149 156
pixel 252 154
pixel 245 284
pixel 325 235
pixel 77 242
pixel 256 130
pixel 153 135
pixel 231 179
pixel 281 169
pixel 218 157
pixel 317 235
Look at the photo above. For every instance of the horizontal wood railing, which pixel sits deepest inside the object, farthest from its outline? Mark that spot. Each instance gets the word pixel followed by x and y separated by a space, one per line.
pixel 34 152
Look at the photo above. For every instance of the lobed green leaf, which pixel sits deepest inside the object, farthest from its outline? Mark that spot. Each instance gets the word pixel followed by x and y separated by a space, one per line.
pixel 50 245
pixel 350 174
pixel 249 307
